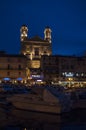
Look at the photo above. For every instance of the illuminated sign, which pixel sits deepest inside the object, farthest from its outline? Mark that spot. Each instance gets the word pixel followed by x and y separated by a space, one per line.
pixel 39 80
pixel 36 76
pixel 69 74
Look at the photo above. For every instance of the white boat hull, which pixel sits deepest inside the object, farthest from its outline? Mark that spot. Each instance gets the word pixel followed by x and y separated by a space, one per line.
pixel 42 100
pixel 38 107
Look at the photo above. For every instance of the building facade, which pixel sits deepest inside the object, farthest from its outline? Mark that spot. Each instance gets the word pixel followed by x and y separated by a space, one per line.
pixel 65 70
pixel 12 68
pixel 33 48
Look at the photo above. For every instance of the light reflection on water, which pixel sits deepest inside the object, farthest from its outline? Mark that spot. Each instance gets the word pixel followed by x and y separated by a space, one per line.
pixel 27 120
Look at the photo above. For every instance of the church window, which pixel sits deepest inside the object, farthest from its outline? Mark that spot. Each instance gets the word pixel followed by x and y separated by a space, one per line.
pixel 36 51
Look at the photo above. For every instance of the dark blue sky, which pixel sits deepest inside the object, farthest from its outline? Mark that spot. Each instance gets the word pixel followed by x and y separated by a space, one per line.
pixel 66 18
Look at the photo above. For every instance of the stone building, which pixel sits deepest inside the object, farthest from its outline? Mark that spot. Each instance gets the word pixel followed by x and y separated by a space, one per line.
pixel 64 69
pixel 12 68
pixel 33 48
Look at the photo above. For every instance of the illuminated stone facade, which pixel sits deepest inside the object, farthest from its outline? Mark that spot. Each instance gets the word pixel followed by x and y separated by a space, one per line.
pixel 12 68
pixel 64 69
pixel 35 47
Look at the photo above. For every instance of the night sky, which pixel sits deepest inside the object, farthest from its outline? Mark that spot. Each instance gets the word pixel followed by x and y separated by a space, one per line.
pixel 66 18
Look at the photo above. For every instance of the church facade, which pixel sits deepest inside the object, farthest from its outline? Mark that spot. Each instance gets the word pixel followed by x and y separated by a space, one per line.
pixel 34 48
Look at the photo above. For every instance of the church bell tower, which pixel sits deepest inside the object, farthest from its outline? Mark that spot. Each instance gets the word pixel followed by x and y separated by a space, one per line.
pixel 47 34
pixel 24 32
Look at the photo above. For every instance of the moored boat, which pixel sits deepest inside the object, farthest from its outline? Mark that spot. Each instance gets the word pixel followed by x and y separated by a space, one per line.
pixel 42 99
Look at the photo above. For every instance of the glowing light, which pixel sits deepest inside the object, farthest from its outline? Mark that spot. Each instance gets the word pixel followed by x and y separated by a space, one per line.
pixel 82 74
pixel 31 56
pixel 77 74
pixel 24 53
pixel 7 79
pixel 70 79
pixel 15 81
pixel 36 76
pixel 39 80
pixel 25 129
pixel 68 74
pixel 19 78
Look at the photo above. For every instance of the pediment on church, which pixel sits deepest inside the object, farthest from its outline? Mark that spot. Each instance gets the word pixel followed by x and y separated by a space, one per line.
pixel 37 38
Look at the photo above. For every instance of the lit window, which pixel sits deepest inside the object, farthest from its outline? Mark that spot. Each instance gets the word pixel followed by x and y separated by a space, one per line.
pixel 77 74
pixel 63 73
pixel 82 74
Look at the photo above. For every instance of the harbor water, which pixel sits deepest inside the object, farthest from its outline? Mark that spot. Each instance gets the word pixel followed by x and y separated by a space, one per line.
pixel 15 119
pixel 12 118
